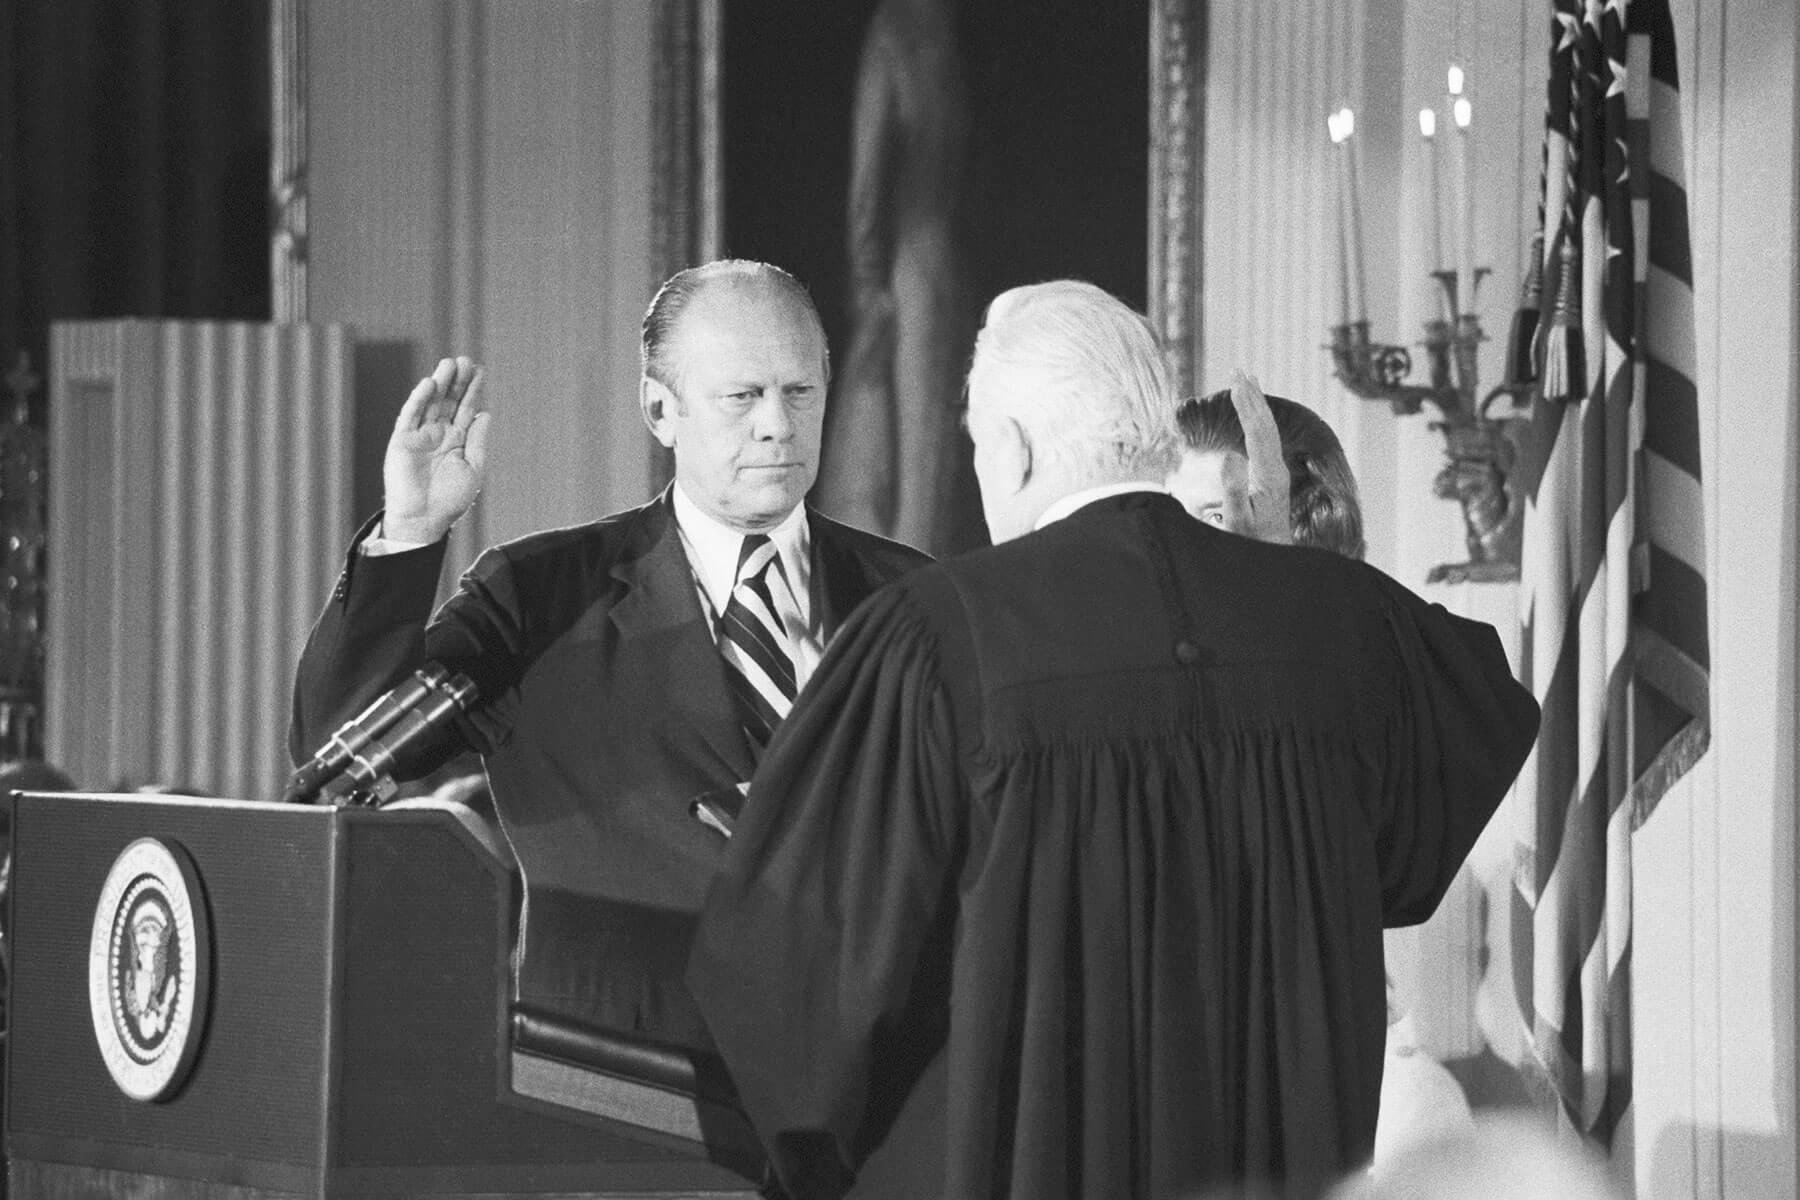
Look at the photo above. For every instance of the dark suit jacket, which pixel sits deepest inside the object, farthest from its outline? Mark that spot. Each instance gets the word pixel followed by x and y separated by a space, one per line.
pixel 603 714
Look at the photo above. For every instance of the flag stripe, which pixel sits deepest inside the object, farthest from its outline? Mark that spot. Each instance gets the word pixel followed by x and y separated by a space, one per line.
pixel 1664 116
pixel 1663 669
pixel 1672 500
pixel 1671 417
pixel 1674 608
pixel 1668 326
pixel 1669 247
pixel 1556 757
pixel 1658 23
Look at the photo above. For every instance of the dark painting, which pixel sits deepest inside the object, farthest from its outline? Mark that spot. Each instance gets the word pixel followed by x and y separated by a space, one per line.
pixel 1045 107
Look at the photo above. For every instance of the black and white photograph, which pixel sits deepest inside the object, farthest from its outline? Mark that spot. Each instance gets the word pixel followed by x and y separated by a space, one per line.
pixel 900 599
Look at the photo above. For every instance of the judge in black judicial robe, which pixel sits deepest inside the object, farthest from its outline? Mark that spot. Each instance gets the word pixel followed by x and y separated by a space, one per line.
pixel 1067 874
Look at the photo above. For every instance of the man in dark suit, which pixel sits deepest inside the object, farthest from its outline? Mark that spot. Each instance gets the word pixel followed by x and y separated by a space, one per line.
pixel 1068 874
pixel 614 680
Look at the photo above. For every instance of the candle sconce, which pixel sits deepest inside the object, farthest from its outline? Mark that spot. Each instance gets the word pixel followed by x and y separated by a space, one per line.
pixel 1480 446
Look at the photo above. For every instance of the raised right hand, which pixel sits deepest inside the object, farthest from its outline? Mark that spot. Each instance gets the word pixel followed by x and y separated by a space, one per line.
pixel 436 459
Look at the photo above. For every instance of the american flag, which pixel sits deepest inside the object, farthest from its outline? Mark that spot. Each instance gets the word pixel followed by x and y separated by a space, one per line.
pixel 1613 583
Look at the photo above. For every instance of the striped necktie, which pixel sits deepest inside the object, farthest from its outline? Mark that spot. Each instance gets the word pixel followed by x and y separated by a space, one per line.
pixel 759 668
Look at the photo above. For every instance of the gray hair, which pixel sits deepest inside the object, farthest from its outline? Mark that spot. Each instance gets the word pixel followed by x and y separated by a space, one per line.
pixel 680 290
pixel 1082 374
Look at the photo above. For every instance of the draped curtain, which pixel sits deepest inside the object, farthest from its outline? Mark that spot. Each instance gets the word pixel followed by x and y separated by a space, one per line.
pixel 135 144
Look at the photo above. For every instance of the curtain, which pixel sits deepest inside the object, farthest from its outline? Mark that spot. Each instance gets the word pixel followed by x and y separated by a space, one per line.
pixel 134 149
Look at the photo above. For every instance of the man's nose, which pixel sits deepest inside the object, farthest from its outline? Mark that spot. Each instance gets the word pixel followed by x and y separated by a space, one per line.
pixel 770 419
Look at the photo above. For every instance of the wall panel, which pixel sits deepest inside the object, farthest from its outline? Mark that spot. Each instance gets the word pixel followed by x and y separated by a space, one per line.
pixel 479 179
pixel 1714 887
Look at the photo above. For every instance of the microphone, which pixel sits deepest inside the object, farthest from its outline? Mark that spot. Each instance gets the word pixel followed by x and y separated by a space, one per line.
pixel 368 775
pixel 329 760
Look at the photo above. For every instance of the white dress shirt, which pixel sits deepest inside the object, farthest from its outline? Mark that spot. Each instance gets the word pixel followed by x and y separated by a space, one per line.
pixel 712 552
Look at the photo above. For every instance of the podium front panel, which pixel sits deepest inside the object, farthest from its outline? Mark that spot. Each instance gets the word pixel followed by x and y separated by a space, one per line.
pixel 253 1105
pixel 425 1062
pixel 356 1038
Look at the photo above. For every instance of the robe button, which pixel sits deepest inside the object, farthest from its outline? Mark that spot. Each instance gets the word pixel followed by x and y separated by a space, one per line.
pixel 1186 653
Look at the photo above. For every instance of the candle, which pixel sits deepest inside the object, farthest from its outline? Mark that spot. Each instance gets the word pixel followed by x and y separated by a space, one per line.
pixel 1335 124
pixel 1358 297
pixel 1465 250
pixel 1462 202
pixel 1428 131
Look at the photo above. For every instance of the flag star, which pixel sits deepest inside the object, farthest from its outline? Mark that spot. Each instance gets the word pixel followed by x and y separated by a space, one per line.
pixel 1571 29
pixel 1617 87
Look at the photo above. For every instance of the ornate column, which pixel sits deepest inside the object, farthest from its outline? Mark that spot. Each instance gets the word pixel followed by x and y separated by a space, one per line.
pixel 287 159
pixel 1177 137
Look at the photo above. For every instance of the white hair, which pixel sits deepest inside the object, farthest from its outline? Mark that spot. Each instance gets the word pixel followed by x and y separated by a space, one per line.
pixel 1082 374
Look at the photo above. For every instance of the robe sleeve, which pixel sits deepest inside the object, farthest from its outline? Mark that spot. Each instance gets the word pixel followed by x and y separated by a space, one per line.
pixel 1460 728
pixel 814 963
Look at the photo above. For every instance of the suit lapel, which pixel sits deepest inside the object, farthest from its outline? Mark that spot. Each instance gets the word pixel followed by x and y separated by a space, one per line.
pixel 660 615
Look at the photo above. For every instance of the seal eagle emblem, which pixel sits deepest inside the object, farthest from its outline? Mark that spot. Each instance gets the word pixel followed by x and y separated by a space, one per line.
pixel 148 960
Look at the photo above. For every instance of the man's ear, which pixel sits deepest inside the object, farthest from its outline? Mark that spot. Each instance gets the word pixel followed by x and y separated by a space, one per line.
pixel 657 403
pixel 1016 451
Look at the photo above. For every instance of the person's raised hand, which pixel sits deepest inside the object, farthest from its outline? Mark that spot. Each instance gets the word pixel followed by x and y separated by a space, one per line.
pixel 436 459
pixel 1269 484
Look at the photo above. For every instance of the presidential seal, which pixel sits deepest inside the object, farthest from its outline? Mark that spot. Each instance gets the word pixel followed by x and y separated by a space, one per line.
pixel 148 960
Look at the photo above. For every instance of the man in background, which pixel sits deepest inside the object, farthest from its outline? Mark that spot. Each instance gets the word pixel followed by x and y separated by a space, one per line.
pixel 627 666
pixel 1067 876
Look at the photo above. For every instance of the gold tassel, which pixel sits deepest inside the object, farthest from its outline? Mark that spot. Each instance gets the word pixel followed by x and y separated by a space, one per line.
pixel 1565 365
pixel 1521 342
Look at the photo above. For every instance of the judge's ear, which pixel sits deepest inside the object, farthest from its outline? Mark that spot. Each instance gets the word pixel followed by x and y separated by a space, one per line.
pixel 659 405
pixel 1015 454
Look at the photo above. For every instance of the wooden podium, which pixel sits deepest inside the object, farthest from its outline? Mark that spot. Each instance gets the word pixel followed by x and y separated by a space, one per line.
pixel 355 1035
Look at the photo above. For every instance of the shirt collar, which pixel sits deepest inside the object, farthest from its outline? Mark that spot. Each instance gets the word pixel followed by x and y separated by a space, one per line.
pixel 1074 500
pixel 712 549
